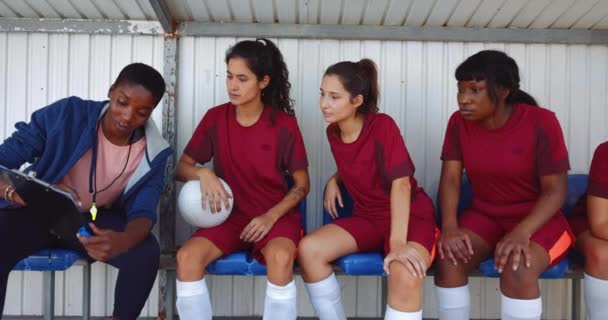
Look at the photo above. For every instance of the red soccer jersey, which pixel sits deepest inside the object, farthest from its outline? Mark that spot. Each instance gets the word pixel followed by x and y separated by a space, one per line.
pixel 598 182
pixel 369 165
pixel 504 165
pixel 252 160
pixel 598 174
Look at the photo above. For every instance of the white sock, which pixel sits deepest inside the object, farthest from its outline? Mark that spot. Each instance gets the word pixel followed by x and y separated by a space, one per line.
pixel 280 303
pixel 520 309
pixel 595 292
pixel 193 300
pixel 326 298
pixel 392 314
pixel 453 303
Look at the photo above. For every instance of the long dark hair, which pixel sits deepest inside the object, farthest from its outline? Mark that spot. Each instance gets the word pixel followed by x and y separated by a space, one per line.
pixel 264 58
pixel 498 70
pixel 359 78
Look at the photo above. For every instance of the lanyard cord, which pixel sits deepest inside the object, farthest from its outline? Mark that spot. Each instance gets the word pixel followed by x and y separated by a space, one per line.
pixel 93 209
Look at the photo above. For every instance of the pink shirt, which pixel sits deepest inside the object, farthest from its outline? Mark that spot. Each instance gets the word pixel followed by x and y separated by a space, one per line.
pixel 110 161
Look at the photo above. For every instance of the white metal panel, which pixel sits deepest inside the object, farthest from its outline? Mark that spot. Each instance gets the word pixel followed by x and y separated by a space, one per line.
pixel 87 9
pixel 579 14
pixel 441 12
pixel 463 12
pixel 241 10
pixel 579 150
pixel 437 81
pixel 146 7
pixel 419 12
pixel 69 287
pixel 550 14
pixel 263 11
pixel 331 12
pixel 375 12
pixel 219 10
pixel 108 9
pixel 16 84
pixel 353 12
pixel 310 59
pixel 484 13
pixel 603 24
pixel 6 11
pixel 4 125
pixel 528 13
pixel 65 9
pixel 181 10
pixel 396 12
pixel 574 13
pixel 507 13
pixel 131 10
pixel 22 8
pixel 597 13
pixel 286 11
pixel 598 84
pixel 308 11
pixel 43 8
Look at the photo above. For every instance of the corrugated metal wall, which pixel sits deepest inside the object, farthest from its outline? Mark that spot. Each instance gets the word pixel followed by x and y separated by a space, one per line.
pixel 35 70
pixel 418 90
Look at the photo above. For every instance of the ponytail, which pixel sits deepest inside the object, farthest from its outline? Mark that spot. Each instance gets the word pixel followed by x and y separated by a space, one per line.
pixel 359 78
pixel 520 96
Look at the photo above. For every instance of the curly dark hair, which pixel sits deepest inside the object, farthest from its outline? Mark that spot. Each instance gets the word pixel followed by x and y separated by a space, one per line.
pixel 359 78
pixel 264 58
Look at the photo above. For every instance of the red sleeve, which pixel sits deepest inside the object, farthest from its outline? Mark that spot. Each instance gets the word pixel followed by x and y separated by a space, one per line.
pixel 598 174
pixel 551 152
pixel 200 146
pixel 291 147
pixel 451 143
pixel 393 155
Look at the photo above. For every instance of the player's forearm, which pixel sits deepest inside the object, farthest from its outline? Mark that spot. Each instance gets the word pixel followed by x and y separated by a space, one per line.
pixel 335 177
pixel 295 195
pixel 401 191
pixel 449 192
pixel 547 205
pixel 597 213
pixel 188 170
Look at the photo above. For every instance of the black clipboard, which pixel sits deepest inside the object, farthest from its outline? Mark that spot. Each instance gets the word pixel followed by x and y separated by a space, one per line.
pixel 50 203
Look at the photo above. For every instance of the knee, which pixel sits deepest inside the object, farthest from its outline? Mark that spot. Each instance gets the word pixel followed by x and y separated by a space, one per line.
pixel 402 282
pixel 518 282
pixel 448 275
pixel 309 250
pixel 596 254
pixel 188 256
pixel 280 258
